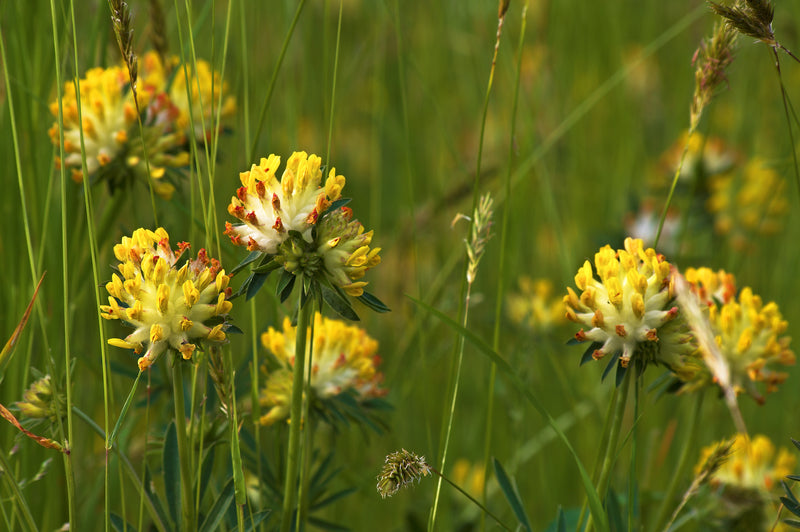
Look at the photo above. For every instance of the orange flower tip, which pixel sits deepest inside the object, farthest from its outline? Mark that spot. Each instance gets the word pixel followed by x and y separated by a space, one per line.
pixel 671 313
pixel 144 363
pixel 597 354
pixel 621 332
pixel 276 203
pixel 312 217
pixel 624 361
pixel 252 245
pixel 652 335
pixel 580 336
pixel 261 189
pixel 251 218
pixel 279 225
pixel 241 193
pixel 597 319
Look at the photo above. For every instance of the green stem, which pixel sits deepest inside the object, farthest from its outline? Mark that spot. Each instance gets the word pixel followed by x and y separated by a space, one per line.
pixel 183 447
pixel 236 455
pixel 498 309
pixel 613 440
pixel 674 184
pixel 304 314
pixel 455 372
pixel 677 474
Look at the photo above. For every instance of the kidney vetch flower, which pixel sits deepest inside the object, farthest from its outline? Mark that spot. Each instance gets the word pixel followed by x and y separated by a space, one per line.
pixel 630 313
pixel 169 307
pixel 345 360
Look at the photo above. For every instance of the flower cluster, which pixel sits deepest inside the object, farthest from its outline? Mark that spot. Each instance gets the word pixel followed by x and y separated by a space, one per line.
pixel 748 205
pixel 344 360
pixel 169 307
pixel 41 401
pixel 748 333
pixel 300 223
pixel 534 306
pixel 109 113
pixel 744 483
pixel 629 312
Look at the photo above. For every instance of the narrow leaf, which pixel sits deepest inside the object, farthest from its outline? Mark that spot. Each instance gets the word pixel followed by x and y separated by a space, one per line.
pixel 373 302
pixel 257 519
pixel 252 257
pixel 339 304
pixel 120 525
pixel 123 412
pixel 172 476
pixel 41 440
pixel 12 342
pixel 255 285
pixel 219 508
pixel 284 286
pixel 511 494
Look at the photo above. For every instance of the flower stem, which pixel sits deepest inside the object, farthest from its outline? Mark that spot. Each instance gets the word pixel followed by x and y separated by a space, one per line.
pixel 304 313
pixel 613 440
pixel 183 447
pixel 677 474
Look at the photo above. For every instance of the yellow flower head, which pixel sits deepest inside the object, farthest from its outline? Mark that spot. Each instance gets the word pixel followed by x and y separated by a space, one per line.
pixel 345 359
pixel 110 127
pixel 747 333
pixel 628 310
pixel 205 87
pixel 344 248
pixel 40 401
pixel 534 306
pixel 753 464
pixel 169 307
pixel 268 209
pixel 749 204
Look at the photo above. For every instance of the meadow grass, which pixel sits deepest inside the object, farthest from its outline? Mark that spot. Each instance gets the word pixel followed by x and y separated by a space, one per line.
pixel 392 94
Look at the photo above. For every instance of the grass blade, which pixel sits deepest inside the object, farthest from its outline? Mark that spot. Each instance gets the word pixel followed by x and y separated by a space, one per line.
pixel 511 494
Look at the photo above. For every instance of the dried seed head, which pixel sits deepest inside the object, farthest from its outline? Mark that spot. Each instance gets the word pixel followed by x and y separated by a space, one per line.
pixel 401 469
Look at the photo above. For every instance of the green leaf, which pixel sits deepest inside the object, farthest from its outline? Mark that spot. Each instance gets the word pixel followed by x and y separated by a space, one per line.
pixel 257 518
pixel 124 411
pixel 373 302
pixel 120 525
pixel 267 268
pixel 258 280
pixel 511 494
pixel 219 508
pixel 205 470
pixel 285 285
pixel 242 288
pixel 614 512
pixel 595 506
pixel 154 498
pixel 252 257
pixel 172 475
pixel 338 303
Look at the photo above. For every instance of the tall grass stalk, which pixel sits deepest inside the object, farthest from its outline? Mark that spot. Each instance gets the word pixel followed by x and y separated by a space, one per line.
pixel 305 313
pixel 268 97
pixel 17 496
pixel 498 309
pixel 70 476
pixel 455 371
